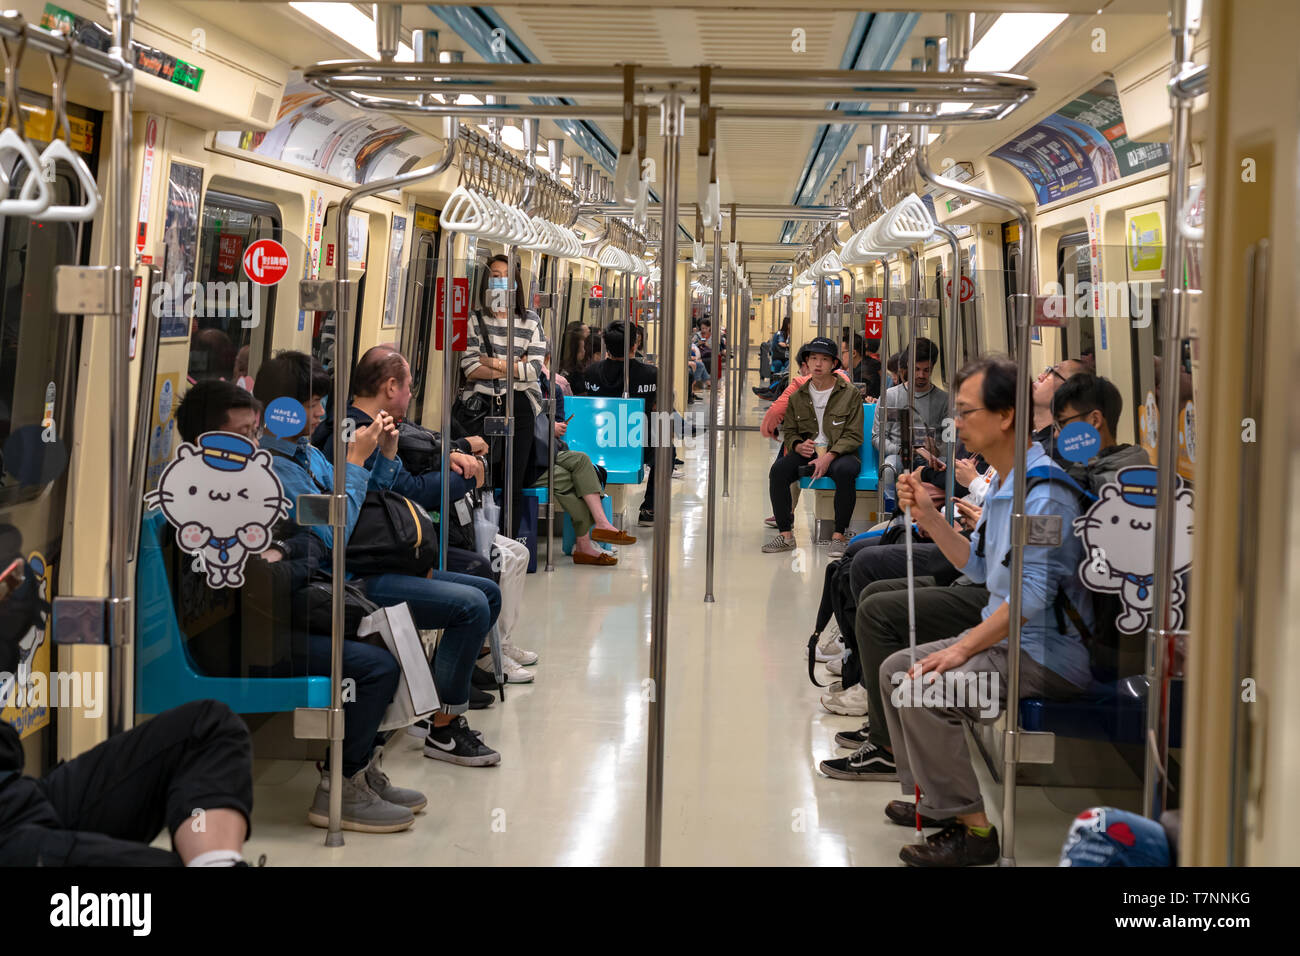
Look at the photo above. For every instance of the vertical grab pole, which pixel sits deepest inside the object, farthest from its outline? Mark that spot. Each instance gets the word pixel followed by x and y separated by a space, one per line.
pixel 1022 304
pixel 553 291
pixel 713 424
pixel 954 300
pixel 121 711
pixel 673 121
pixel 882 413
pixel 726 410
pixel 1184 24
pixel 507 491
pixel 628 337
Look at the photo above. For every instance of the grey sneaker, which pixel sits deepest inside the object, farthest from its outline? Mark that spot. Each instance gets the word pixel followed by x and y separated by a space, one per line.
pixel 836 549
pixel 778 543
pixel 378 781
pixel 363 809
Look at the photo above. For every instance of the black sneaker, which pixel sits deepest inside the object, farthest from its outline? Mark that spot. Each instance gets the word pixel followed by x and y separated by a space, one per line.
pixel 853 739
pixel 953 846
pixel 456 743
pixel 868 762
pixel 646 518
pixel 484 680
pixel 903 812
pixel 480 699
pixel 421 728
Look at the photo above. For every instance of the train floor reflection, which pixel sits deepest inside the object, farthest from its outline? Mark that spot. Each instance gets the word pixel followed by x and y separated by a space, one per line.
pixel 745 731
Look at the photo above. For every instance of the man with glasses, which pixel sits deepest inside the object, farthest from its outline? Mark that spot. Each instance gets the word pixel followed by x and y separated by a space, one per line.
pixel 926 729
pixel 1044 387
pixel 1089 398
pixel 929 409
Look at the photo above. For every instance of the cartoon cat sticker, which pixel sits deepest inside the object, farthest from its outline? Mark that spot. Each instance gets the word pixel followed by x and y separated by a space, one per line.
pixel 223 498
pixel 1119 545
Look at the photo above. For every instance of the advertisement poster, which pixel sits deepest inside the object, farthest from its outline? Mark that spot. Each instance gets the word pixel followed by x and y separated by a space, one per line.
pixel 25 695
pixel 315 218
pixel 396 245
pixel 358 240
pixel 230 249
pixel 180 247
pixel 1144 241
pixel 162 431
pixel 316 132
pixel 1080 147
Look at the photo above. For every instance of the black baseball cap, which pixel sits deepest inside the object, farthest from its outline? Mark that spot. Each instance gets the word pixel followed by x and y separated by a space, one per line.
pixel 822 346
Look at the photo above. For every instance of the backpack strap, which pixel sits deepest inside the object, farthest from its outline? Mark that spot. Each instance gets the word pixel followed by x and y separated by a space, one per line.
pixel 306 468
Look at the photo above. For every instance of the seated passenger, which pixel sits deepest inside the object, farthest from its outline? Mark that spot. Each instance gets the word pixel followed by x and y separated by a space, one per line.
pixel 381 384
pixel 578 491
pixel 822 428
pixel 863 369
pixel 606 379
pixel 1088 398
pixel 1044 387
pixel 370 801
pixel 574 358
pixel 928 414
pixel 929 741
pixel 464 607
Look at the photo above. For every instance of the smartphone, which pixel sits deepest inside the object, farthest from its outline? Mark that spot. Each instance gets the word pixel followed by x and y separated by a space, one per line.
pixel 11 579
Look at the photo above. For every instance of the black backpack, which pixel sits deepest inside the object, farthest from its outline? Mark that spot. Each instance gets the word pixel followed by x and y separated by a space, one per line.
pixel 1110 651
pixel 419 448
pixel 393 535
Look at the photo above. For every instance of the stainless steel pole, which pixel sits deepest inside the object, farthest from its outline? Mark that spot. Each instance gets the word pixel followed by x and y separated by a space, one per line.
pixel 448 389
pixel 121 652
pixel 507 490
pixel 553 285
pixel 628 336
pixel 711 520
pixel 954 301
pixel 882 413
pixel 726 408
pixel 1185 21
pixel 673 121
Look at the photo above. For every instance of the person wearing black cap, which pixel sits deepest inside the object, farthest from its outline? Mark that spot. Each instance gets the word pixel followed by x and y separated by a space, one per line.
pixel 822 428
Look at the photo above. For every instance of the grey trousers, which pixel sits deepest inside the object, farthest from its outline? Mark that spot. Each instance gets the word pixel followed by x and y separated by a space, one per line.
pixel 926 722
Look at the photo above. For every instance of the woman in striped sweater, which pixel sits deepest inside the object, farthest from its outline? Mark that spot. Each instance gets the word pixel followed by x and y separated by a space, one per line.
pixel 487 353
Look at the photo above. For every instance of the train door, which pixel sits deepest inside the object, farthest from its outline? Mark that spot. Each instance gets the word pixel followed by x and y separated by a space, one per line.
pixel 231 333
pixel 417 325
pixel 1011 256
pixel 1073 269
pixel 39 351
pixel 971 343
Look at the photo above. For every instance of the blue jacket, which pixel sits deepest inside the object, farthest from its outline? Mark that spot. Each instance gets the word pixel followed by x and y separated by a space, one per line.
pixel 303 470
pixel 425 490
pixel 1046 570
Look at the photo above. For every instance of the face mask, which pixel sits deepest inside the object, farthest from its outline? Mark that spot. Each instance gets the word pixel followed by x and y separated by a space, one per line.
pixel 498 282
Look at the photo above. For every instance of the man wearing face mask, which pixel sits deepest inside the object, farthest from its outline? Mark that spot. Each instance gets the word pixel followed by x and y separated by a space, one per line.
pixel 488 353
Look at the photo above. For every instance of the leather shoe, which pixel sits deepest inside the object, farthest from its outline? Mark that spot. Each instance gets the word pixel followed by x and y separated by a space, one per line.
pixel 612 537
pixel 903 812
pixel 951 847
pixel 601 560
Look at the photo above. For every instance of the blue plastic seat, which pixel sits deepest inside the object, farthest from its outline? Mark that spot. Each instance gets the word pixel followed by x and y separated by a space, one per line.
pixel 1114 712
pixel 165 673
pixel 868 474
pixel 539 493
pixel 602 428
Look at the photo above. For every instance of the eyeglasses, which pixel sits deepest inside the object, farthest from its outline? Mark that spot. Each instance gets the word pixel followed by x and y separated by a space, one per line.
pixel 1051 370
pixel 1062 422
pixel 961 413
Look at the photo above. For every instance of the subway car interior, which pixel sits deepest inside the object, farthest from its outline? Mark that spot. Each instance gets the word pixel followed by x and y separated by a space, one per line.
pixel 676 281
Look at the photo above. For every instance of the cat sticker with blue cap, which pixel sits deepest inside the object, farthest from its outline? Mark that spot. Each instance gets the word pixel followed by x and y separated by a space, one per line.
pixel 223 498
pixel 1118 534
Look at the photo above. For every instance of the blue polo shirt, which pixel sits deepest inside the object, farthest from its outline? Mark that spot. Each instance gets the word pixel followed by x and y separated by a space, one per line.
pixel 1046 570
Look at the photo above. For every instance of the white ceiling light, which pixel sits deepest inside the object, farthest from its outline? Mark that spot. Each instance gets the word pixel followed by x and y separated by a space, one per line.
pixel 1012 37
pixel 351 26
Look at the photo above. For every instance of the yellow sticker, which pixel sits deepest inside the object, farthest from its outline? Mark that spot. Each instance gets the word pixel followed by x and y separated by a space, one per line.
pixel 25 692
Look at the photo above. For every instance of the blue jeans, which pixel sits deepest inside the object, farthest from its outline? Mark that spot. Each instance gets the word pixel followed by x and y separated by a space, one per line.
pixel 375 672
pixel 464 607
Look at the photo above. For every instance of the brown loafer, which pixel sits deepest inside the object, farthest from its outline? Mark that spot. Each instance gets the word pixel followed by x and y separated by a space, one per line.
pixel 612 537
pixel 603 560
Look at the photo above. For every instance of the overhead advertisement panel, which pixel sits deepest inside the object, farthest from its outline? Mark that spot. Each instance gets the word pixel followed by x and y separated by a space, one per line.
pixel 316 132
pixel 1081 146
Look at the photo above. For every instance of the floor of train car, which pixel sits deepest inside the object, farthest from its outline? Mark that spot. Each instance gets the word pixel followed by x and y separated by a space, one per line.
pixel 745 731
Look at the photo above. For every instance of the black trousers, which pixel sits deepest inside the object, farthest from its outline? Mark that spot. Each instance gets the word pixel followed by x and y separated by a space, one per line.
pixel 785 470
pixel 104 807
pixel 881 562
pixel 941 612
pixel 524 465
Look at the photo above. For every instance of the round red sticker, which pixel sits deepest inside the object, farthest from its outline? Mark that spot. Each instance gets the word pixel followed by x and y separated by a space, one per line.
pixel 266 262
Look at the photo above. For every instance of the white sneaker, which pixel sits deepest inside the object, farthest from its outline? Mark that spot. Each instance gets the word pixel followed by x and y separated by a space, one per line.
pixel 836 666
pixel 518 654
pixel 830 646
pixel 850 703
pixel 515 674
